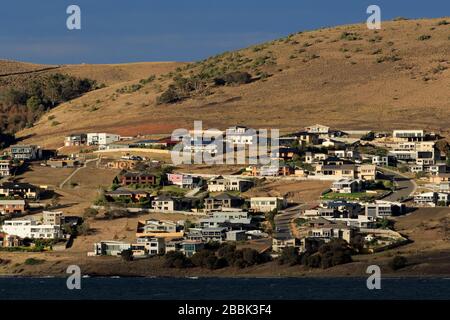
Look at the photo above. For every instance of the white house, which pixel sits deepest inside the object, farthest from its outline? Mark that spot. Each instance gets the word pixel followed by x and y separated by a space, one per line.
pixel 267 204
pixel 31 229
pixel 101 139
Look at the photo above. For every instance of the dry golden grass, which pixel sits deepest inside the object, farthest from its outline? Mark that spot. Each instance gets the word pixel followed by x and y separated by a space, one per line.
pixel 344 86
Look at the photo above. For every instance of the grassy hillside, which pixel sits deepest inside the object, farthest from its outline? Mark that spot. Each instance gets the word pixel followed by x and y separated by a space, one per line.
pixel 346 76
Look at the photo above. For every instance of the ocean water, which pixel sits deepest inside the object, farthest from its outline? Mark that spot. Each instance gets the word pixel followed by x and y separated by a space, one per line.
pixel 224 288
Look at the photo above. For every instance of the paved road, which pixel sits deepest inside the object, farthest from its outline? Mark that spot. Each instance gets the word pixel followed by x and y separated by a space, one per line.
pixel 283 220
pixel 405 187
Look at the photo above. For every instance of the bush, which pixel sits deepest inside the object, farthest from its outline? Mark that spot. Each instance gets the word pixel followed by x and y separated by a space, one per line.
pixel 176 259
pixel 127 255
pixel 398 262
pixel 234 78
pixel 289 256
pixel 424 37
pixel 33 261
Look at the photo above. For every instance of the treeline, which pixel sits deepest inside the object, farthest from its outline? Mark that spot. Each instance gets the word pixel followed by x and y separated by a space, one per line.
pixel 21 106
pixel 217 256
pixel 327 255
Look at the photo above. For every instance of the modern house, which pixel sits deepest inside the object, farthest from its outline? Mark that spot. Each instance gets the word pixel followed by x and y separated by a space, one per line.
pixel 151 245
pixel 347 186
pixel 191 247
pixel 131 195
pixel 182 180
pixel 5 168
pixel 19 190
pixel 31 229
pixel 222 201
pixel 52 218
pixel 318 128
pixel 153 225
pixel 75 139
pixel 164 203
pixel 367 172
pixel 408 135
pixel 101 139
pixel 337 171
pixel 432 199
pixel 109 248
pixel 267 204
pixel 221 184
pixel 384 161
pixel 26 152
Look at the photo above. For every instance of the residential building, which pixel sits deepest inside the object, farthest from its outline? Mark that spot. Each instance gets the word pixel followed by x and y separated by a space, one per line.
pixel 130 178
pixel 191 247
pixel 8 207
pixel 53 218
pixel 241 136
pixel 267 204
pixel 152 245
pixel 367 172
pixel 101 139
pixel 222 201
pixel 408 135
pixel 26 152
pixel 378 210
pixel 432 198
pixel 31 229
pixel 19 190
pixel 164 203
pixel 337 171
pixel 279 243
pixel 131 195
pixel 318 128
pixel 182 180
pixel 236 235
pixel 347 186
pixel 76 139
pixel 153 225
pixel 5 168
pixel 311 157
pixel 110 248
pixel 384 161
pixel 221 184
pixel 272 171
pixel 213 234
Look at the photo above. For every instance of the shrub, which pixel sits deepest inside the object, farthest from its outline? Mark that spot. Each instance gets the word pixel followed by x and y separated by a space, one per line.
pixel 33 261
pixel 350 36
pixel 398 262
pixel 424 37
pixel 289 256
pixel 443 23
pixel 234 78
pixel 176 259
pixel 127 255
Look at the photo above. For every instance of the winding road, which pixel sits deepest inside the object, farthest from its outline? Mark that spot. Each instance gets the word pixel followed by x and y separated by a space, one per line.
pixel 405 186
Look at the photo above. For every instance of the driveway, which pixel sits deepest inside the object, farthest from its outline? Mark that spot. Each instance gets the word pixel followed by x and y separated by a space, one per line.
pixel 283 220
pixel 405 186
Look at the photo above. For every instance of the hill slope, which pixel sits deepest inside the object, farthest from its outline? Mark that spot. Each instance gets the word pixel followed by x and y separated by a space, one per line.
pixel 348 76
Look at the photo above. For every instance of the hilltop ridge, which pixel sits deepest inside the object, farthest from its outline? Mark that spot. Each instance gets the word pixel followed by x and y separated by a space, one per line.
pixel 346 76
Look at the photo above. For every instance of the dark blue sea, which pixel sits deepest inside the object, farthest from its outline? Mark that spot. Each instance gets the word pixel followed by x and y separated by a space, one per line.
pixel 224 289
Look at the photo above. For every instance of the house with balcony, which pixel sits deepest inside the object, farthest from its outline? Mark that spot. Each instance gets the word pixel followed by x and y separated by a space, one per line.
pixel 75 139
pixel 267 204
pixel 222 201
pixel 222 184
pixel 141 178
pixel 26 152
pixel 19 190
pixel 347 186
